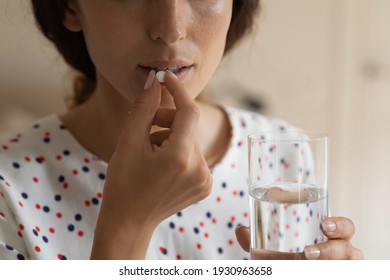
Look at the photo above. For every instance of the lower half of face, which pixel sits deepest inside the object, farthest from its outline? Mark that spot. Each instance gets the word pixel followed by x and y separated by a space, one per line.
pixel 127 41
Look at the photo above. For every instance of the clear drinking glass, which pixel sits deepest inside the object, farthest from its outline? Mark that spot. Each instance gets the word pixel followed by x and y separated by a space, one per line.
pixel 288 187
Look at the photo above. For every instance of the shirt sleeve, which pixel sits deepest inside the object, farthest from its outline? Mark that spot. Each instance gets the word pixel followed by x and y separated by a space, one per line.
pixel 12 246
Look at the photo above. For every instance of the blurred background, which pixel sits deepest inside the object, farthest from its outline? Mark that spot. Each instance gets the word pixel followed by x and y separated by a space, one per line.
pixel 322 65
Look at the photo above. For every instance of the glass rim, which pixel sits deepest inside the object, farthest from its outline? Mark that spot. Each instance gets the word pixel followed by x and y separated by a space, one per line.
pixel 312 136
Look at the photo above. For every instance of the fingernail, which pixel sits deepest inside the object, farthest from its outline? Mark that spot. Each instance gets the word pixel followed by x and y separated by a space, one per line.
pixel 329 226
pixel 150 80
pixel 311 253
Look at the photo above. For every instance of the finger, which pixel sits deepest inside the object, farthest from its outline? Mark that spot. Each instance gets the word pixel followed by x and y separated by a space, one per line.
pixel 338 227
pixel 164 117
pixel 257 254
pixel 243 237
pixel 187 113
pixel 141 114
pixel 158 137
pixel 333 250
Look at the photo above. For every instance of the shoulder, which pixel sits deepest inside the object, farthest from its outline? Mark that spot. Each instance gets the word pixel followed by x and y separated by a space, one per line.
pixel 251 121
pixel 27 143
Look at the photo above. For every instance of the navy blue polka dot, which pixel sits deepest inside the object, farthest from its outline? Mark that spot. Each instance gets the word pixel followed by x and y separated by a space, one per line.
pixel 71 227
pixel 9 247
pixel 171 225
pixel 20 257
pixel 208 214
pixel 102 176
pixel 230 224
pixel 44 238
pixel 16 165
pixel 196 230
pixel 61 179
pixel 57 197
pixel 35 232
pixel 46 209
pixel 78 217
pixel 179 214
pixel 24 195
pixel 220 250
pixel 95 201
pixel 85 169
pixel 224 185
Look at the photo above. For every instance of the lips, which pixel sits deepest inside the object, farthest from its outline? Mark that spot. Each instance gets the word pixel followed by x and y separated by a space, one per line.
pixel 180 68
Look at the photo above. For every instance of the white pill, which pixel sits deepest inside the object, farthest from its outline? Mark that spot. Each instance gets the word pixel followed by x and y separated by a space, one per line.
pixel 161 76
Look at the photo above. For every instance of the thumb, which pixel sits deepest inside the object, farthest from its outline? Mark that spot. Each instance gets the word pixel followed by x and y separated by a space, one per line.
pixel 243 237
pixel 141 115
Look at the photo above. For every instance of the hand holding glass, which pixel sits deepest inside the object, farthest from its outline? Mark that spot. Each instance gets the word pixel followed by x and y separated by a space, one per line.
pixel 288 187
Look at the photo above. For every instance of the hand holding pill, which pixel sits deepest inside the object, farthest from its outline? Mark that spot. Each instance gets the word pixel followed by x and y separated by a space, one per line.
pixel 136 201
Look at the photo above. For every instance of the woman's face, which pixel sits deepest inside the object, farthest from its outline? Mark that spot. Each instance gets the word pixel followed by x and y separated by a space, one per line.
pixel 128 38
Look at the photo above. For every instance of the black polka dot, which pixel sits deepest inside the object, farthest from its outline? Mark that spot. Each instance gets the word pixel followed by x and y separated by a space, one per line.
pixel 85 169
pixel 78 217
pixel 102 176
pixel 71 227
pixel 9 247
pixel 46 209
pixel 61 179
pixel 66 152
pixel 20 257
pixel 16 165
pixel 95 201
pixel 24 195
pixel 171 225
pixel 57 197
pixel 45 239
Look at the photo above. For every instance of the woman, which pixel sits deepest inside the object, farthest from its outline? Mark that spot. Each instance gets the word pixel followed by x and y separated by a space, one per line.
pixel 138 169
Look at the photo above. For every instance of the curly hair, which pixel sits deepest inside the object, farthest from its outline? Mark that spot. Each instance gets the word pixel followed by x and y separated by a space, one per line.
pixel 50 16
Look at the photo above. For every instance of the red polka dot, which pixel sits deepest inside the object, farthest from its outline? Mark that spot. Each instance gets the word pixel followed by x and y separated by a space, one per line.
pixel 51 230
pixel 35 179
pixel 5 147
pixel 214 220
pixel 206 235
pixel 60 256
pixel 86 160
pixel 181 229
pixel 20 233
pixel 233 165
pixel 27 159
pixel 80 233
pixel 65 186
pixel 37 206
pixel 59 215
pixel 21 227
pixel 20 204
pixel 7 184
pixel 37 249
pixel 99 195
pixel 201 224
pixel 287 226
pixel 199 246
pixel 47 133
pixel 232 218
pixel 37 229
pixel 235 193
pixel 87 203
pixel 2 214
pixel 218 199
pixel 245 215
pixel 178 257
pixel 75 172
pixel 58 157
pixel 230 242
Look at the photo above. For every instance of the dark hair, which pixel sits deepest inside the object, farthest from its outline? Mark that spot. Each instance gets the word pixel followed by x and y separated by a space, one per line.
pixel 50 15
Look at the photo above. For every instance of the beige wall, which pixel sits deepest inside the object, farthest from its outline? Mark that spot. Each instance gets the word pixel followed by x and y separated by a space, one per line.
pixel 307 64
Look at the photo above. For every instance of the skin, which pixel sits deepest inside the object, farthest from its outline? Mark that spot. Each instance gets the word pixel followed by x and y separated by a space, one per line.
pixel 164 128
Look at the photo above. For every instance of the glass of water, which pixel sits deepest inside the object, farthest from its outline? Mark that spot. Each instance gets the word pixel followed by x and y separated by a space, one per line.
pixel 288 187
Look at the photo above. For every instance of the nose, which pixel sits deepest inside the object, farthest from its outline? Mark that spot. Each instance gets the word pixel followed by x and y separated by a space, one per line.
pixel 169 21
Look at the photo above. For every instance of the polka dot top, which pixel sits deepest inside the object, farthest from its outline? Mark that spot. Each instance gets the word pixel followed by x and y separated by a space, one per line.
pixel 51 190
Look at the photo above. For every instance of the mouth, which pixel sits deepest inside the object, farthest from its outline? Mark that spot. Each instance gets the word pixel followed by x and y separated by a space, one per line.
pixel 181 71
